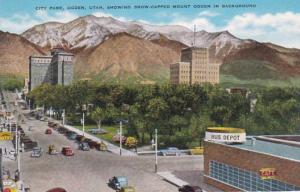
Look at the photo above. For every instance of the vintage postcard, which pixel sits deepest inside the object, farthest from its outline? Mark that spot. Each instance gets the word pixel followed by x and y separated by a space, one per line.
pixel 149 96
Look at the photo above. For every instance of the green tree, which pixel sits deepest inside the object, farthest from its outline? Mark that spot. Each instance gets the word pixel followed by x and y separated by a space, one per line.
pixel 98 115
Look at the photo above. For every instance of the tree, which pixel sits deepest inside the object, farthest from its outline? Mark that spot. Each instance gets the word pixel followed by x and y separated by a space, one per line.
pixel 156 112
pixel 98 115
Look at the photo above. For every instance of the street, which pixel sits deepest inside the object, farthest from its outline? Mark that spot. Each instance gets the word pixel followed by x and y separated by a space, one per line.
pixel 91 170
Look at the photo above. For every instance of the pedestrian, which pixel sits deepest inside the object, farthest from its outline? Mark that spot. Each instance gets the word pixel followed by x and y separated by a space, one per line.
pixel 5 153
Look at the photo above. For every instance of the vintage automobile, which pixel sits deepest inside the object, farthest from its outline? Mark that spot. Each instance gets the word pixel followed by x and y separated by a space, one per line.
pixel 127 189
pixel 84 146
pixel 170 151
pixel 197 151
pixel 72 136
pixel 97 131
pixel 117 182
pixel 67 151
pixel 57 189
pixel 52 150
pixel 116 138
pixel 189 188
pixel 36 152
pixel 48 131
pixel 101 146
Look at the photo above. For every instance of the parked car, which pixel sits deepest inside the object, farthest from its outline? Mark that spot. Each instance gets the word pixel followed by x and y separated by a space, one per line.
pixel 36 152
pixel 116 138
pixel 52 150
pixel 72 136
pixel 197 151
pixel 101 146
pixel 58 189
pixel 62 130
pixel 97 131
pixel 30 128
pixel 48 131
pixel 189 188
pixel 92 144
pixel 51 123
pixel 117 182
pixel 127 189
pixel 67 151
pixel 84 146
pixel 170 151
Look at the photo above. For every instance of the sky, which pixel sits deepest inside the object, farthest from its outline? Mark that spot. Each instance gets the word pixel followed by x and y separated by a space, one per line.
pixel 275 21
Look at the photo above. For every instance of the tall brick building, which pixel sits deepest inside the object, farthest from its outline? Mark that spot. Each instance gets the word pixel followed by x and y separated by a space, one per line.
pixel 195 67
pixel 260 164
pixel 56 68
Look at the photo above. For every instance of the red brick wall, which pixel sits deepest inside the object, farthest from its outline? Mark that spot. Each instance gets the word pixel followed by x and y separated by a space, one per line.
pixel 287 171
pixel 219 185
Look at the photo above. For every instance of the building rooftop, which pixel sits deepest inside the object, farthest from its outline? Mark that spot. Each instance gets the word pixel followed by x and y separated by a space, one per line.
pixel 268 145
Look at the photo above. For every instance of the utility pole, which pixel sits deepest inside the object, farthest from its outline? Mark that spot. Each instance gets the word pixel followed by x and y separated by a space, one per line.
pixel 120 137
pixel 156 151
pixel 19 157
pixel 83 123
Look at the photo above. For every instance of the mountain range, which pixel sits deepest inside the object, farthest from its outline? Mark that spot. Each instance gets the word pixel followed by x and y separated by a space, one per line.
pixel 107 48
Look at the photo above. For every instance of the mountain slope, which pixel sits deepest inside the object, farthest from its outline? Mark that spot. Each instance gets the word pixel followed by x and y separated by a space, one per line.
pixel 280 62
pixel 14 53
pixel 124 54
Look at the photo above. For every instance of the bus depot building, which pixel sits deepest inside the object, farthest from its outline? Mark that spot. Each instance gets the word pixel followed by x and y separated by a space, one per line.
pixel 234 162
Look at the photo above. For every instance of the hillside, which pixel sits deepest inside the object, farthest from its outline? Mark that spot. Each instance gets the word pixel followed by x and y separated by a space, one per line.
pixel 14 53
pixel 262 61
pixel 123 55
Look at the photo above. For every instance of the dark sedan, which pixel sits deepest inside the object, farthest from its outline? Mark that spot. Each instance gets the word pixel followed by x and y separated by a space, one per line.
pixel 189 188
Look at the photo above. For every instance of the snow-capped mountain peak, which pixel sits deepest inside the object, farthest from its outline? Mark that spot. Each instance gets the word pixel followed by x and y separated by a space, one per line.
pixel 89 31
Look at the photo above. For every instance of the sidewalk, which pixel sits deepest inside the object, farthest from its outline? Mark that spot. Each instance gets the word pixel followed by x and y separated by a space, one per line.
pixel 10 151
pixel 110 147
pixel 168 176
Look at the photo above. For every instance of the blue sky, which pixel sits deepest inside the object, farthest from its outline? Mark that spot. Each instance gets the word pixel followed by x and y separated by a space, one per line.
pixel 276 21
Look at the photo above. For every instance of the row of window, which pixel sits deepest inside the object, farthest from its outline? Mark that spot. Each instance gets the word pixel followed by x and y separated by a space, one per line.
pixel 246 180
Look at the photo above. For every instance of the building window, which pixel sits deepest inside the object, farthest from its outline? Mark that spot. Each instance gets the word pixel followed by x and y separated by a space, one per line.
pixel 246 180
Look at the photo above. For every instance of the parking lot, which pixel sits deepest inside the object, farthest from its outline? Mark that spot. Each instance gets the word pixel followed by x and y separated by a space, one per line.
pixel 90 170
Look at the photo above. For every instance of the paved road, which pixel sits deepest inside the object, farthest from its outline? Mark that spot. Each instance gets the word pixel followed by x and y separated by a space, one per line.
pixel 90 171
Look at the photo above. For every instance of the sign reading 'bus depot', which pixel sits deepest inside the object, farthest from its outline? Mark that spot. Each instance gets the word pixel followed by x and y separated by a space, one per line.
pixel 5 136
pixel 225 135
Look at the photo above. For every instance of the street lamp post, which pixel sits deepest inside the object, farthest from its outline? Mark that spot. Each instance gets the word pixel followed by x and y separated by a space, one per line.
pixel 50 112
pixel 9 125
pixel 120 137
pixel 83 123
pixel 63 117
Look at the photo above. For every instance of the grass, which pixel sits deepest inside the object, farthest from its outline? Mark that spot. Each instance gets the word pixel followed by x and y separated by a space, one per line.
pixel 111 129
pixel 4 79
pixel 232 81
pixel 250 69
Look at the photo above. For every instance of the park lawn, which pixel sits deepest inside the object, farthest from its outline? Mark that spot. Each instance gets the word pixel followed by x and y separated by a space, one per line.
pixel 111 131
